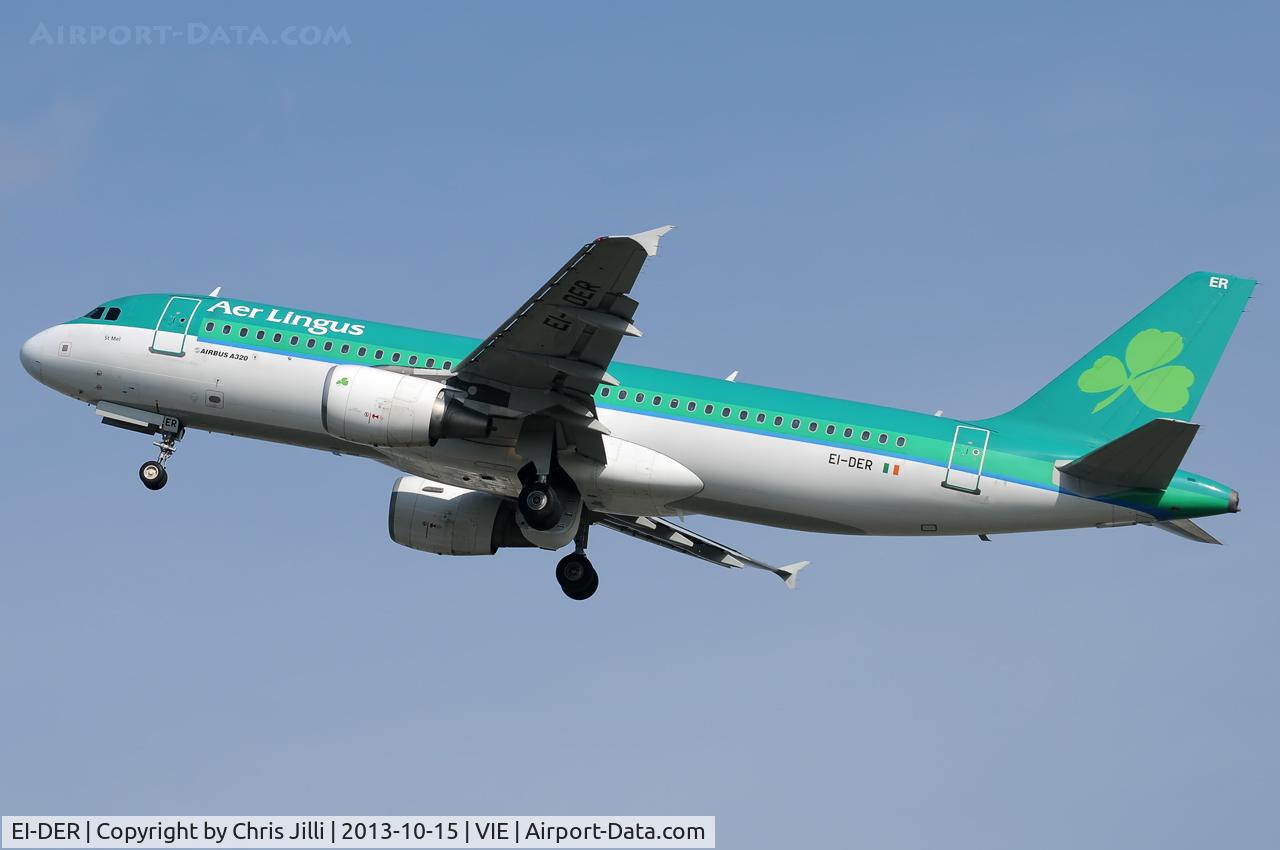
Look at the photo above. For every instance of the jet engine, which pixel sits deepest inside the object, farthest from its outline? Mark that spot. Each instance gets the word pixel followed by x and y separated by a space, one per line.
pixel 378 407
pixel 446 520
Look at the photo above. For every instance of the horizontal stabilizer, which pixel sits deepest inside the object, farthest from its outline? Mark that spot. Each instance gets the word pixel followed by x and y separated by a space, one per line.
pixel 1145 458
pixel 1188 529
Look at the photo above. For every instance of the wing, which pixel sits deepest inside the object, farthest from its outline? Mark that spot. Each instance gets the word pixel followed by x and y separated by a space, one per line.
pixel 551 355
pixel 668 534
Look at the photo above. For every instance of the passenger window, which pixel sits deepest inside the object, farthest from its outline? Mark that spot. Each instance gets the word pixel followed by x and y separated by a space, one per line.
pixel 639 397
pixel 362 352
pixel 759 418
pixel 95 313
pixel 884 438
pixel 866 435
pixel 831 429
pixel 813 426
pixel 328 345
pixel 377 355
pixel 244 332
pixel 209 326
pixel 226 330
pixel 604 391
pixel 795 423
pixel 777 421
pixel 693 405
pixel 725 413
pixel 113 314
pixel 622 395
pixel 262 334
pixel 395 357
pixel 413 360
pixel 277 337
pixel 448 364
pixel 657 400
pixel 902 441
pixel 848 432
pixel 311 342
pixel 431 363
pixel 742 415
pixel 346 349
pixel 709 409
pixel 675 402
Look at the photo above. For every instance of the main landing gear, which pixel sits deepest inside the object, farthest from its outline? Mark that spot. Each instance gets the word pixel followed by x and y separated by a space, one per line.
pixel 578 579
pixel 153 474
pixel 539 504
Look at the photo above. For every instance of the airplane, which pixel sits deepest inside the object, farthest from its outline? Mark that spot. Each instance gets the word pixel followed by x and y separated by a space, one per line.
pixel 533 435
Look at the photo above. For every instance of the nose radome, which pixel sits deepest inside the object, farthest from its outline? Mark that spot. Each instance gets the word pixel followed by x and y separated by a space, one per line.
pixel 32 353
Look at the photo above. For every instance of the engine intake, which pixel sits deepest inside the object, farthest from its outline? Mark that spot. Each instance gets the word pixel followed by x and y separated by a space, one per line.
pixel 381 408
pixel 433 517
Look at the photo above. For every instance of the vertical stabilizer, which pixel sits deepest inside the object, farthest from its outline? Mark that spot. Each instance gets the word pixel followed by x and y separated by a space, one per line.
pixel 1155 367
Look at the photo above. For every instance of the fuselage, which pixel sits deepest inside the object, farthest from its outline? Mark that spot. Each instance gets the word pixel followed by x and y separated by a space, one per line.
pixel 757 454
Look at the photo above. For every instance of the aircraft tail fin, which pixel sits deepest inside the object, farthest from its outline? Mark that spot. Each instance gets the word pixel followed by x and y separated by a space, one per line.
pixel 1157 365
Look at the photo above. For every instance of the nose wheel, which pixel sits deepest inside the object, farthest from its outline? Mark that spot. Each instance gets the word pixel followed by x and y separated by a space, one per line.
pixel 153 472
pixel 153 475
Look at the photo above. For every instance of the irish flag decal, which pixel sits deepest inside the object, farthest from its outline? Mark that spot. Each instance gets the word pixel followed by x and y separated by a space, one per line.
pixel 891 469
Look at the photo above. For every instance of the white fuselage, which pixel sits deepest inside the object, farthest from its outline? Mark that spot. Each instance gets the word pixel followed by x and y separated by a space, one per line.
pixel 731 473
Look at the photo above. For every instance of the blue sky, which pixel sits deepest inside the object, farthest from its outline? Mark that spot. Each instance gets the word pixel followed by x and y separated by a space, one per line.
pixel 910 204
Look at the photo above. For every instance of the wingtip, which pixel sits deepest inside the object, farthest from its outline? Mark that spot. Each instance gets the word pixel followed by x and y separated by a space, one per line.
pixel 649 239
pixel 790 571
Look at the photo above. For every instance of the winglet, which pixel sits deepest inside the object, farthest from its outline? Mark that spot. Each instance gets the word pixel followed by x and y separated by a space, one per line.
pixel 789 573
pixel 649 239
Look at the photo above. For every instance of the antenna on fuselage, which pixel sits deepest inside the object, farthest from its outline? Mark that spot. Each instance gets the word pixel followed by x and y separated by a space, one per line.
pixel 216 291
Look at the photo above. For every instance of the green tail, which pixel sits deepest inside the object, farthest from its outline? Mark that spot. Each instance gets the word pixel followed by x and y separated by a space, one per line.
pixel 1155 367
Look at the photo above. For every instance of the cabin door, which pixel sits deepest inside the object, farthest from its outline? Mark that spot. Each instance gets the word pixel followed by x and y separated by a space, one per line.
pixel 174 325
pixel 968 453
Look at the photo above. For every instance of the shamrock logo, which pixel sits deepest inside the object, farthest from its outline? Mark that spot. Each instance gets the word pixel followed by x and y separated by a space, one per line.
pixel 1157 385
pixel 342 382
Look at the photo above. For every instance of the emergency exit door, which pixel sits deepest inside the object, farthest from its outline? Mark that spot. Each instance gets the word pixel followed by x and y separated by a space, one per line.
pixel 968 452
pixel 174 324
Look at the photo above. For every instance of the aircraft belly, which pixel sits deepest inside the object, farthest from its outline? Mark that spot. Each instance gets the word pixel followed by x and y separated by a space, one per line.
pixel 815 487
pixel 211 387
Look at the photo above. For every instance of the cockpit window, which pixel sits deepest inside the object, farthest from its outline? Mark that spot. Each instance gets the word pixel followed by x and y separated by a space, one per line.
pixel 95 313
pixel 113 313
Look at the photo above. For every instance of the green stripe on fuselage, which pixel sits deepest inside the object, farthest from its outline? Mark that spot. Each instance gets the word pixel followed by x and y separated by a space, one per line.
pixel 928 439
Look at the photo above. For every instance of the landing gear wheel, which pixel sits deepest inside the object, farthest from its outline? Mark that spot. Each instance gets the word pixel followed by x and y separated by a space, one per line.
pixel 153 475
pixel 540 506
pixel 578 579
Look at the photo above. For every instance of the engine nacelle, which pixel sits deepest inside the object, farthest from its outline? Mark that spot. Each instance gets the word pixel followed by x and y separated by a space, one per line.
pixel 378 407
pixel 446 520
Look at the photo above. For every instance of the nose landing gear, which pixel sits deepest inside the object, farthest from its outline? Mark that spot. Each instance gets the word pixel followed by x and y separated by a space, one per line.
pixel 577 578
pixel 153 472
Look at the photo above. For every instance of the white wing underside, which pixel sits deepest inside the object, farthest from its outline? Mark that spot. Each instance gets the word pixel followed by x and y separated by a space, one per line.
pixel 680 539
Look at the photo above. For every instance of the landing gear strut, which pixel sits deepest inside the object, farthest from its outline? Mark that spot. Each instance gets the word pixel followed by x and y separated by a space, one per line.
pixel 578 579
pixel 153 474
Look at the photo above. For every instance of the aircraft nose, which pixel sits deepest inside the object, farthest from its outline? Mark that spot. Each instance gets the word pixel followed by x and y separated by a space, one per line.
pixel 32 353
